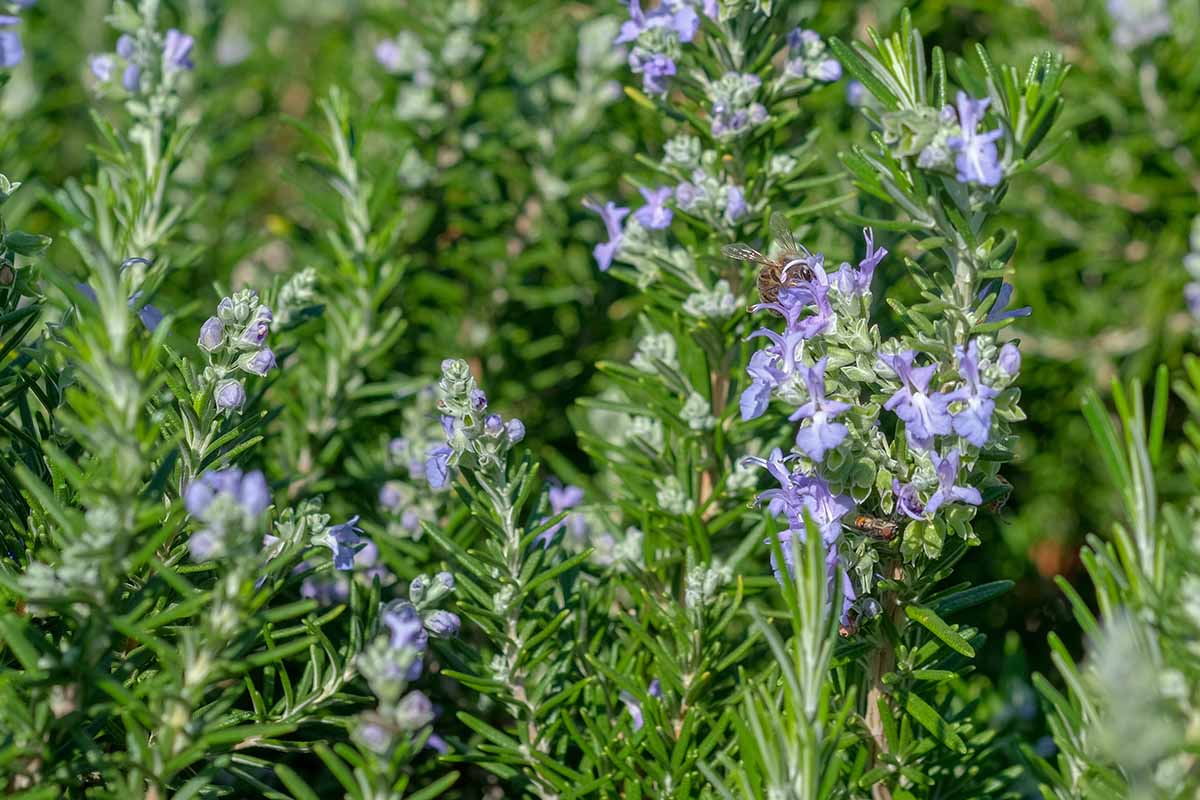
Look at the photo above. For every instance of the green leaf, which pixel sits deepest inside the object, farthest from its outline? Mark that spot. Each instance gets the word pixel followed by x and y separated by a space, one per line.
pixel 294 783
pixel 923 713
pixel 941 629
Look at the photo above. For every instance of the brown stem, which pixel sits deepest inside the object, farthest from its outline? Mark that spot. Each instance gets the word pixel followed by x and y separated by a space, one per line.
pixel 881 662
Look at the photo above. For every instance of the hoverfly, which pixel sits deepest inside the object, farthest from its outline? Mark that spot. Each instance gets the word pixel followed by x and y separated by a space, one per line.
pixel 879 528
pixel 789 269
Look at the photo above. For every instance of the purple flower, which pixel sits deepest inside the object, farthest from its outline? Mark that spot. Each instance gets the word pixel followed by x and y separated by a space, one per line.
pixel 405 631
pixel 999 310
pixel 212 332
pixel 176 48
pixel 516 430
pixel 679 18
pixel 798 493
pixel 851 281
pixel 256 332
pixel 11 51
pixel 977 160
pixel 343 540
pixel 477 399
pixel 326 592
pixel 443 624
pixel 493 425
pixel 907 501
pixel 249 491
pixel 735 204
pixel 948 491
pixel 125 46
pixel 131 78
pixel 764 377
pixel 1009 359
pixel 612 215
pixel 655 70
pixel 437 466
pixel 634 708
pixel 389 497
pixel 823 434
pixel 974 419
pixel 414 712
pixel 924 415
pixel 562 499
pixel 366 562
pixel 655 688
pixel 150 316
pixel 102 67
pixel 655 215
pixel 856 94
pixel 260 362
pixel 230 394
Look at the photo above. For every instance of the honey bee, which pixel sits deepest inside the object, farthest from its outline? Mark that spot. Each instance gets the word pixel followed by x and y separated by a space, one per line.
pixel 995 499
pixel 789 269
pixel 879 528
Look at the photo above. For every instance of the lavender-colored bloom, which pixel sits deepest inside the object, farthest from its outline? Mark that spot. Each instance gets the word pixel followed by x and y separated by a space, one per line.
pixel 999 310
pixel 974 419
pixel 827 70
pixel 907 501
pixel 367 563
pixel 254 495
pixel 260 362
pixel 326 592
pixel 948 491
pixel 925 415
pixel 678 18
pixel 823 434
pixel 1009 359
pixel 437 744
pixel 437 466
pixel 389 497
pixel 230 394
pixel 204 545
pixel 634 708
pixel 977 160
pixel 414 711
pixel 562 499
pixel 125 46
pixel 798 493
pixel 477 399
pixel 655 215
pixel 389 55
pixel 102 67
pixel 150 316
pixel 856 94
pixel 410 520
pixel 343 540
pixel 177 46
pixel 493 425
pixel 443 624
pixel 858 281
pixel 515 430
pixel 655 71
pixel 131 78
pixel 735 204
pixel 612 215
pixel 764 377
pixel 11 50
pixel 256 332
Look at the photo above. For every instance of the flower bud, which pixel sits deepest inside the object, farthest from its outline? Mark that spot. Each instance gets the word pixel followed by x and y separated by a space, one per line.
pixel 516 430
pixel 1010 358
pixel 230 394
pixel 417 589
pixel 212 332
pixel 259 362
pixel 443 623
pixel 414 711
pixel 493 425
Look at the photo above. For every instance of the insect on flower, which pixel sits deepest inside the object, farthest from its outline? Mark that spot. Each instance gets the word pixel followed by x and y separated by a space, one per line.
pixel 788 269
pixel 884 529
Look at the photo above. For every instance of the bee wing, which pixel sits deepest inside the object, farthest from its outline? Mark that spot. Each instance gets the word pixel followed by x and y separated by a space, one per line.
pixel 744 252
pixel 781 232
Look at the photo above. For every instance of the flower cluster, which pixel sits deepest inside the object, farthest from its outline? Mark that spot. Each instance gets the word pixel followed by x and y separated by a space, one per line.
pixel 808 58
pixel 144 60
pixel 472 435
pixel 656 38
pixel 831 366
pixel 735 109
pixel 419 97
pixel 1136 22
pixel 948 140
pixel 234 341
pixel 11 50
pixel 394 659
pixel 228 503
pixel 406 499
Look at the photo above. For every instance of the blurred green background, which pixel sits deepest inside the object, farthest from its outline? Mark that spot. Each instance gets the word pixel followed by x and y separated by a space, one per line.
pixel 499 244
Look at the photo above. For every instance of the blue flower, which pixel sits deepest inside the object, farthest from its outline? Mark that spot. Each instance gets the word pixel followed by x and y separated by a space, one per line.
pixel 230 395
pixel 177 46
pixel 343 541
pixel 655 215
pixel 999 309
pixel 1009 359
pixel 925 415
pixel 443 624
pixel 563 498
pixel 260 362
pixel 735 204
pixel 974 419
pixel 948 491
pixel 822 434
pixel 977 160
pixel 654 69
pixel 764 377
pixel 102 67
pixel 850 281
pixel 798 493
pixel 612 215
pixel 437 466
pixel 11 51
pixel 907 502
pixel 635 709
